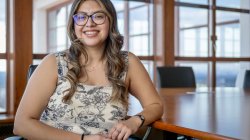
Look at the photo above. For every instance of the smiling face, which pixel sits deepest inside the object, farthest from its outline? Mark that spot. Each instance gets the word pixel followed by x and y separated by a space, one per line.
pixel 92 34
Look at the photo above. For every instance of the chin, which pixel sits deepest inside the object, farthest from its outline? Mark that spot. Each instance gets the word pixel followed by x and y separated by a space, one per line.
pixel 92 43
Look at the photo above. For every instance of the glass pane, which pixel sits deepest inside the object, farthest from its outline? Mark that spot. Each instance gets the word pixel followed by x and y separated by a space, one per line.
pixel 52 38
pixel 2 85
pixel 118 4
pixel 242 4
pixel 233 34
pixel 188 20
pixel 139 45
pixel 68 10
pixel 201 72
pixel 61 17
pixel 133 4
pixel 61 35
pixel 149 66
pixel 47 39
pixel 194 1
pixel 61 48
pixel 193 43
pixel 121 22
pixel 138 21
pixel 193 33
pixel 2 26
pixel 240 68
pixel 52 21
pixel 36 61
pixel 230 74
pixel 225 16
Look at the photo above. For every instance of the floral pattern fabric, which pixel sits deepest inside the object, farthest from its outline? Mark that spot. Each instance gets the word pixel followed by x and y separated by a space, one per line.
pixel 90 110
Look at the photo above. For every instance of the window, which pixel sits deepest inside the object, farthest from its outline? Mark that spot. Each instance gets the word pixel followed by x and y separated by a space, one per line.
pixel 55 33
pixel 57 29
pixel 217 39
pixel 136 24
pixel 3 56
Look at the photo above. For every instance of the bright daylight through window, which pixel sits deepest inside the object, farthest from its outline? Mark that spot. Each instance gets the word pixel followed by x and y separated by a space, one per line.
pixel 2 56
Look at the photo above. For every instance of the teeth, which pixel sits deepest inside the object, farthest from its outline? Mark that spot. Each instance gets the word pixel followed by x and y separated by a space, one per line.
pixel 91 32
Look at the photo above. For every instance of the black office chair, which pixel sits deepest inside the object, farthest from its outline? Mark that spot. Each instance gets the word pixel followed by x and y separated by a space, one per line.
pixel 31 70
pixel 176 77
pixel 246 82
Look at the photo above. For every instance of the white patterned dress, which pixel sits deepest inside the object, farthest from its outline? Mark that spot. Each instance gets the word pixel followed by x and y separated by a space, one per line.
pixel 90 110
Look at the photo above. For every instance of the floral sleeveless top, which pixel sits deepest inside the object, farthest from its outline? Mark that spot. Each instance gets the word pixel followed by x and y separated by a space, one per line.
pixel 90 110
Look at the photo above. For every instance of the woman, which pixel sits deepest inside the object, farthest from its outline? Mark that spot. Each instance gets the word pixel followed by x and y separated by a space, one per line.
pixel 82 93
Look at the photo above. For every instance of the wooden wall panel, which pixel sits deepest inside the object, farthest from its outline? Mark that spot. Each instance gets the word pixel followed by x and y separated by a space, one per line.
pixel 20 52
pixel 169 32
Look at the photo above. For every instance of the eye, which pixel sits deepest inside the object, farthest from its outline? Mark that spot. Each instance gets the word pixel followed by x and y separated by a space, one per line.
pixel 99 16
pixel 81 17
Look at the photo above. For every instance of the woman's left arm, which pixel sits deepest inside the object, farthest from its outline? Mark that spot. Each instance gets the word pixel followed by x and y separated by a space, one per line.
pixel 140 86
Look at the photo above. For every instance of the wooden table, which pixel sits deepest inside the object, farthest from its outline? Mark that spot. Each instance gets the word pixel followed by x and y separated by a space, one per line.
pixel 221 113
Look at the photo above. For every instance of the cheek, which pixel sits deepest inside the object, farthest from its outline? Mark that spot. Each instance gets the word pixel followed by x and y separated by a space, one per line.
pixel 106 29
pixel 78 30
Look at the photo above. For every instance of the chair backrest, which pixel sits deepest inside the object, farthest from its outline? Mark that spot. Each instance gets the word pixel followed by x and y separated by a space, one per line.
pixel 176 77
pixel 31 70
pixel 246 83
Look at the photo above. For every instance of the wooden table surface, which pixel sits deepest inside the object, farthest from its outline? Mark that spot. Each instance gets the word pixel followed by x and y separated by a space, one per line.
pixel 221 113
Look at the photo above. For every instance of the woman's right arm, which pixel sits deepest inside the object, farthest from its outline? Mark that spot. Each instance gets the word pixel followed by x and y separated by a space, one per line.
pixel 40 87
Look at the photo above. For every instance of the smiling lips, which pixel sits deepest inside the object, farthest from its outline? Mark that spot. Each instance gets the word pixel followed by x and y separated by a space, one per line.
pixel 91 33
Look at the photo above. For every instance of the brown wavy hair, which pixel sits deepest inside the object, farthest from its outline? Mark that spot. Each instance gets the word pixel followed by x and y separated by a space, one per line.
pixel 112 52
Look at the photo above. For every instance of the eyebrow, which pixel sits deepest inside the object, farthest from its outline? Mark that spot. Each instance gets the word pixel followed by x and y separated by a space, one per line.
pixel 90 13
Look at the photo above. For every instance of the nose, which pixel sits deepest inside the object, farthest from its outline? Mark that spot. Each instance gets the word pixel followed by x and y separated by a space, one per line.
pixel 90 22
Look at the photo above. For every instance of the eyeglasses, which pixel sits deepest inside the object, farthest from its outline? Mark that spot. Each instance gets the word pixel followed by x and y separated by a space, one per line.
pixel 82 18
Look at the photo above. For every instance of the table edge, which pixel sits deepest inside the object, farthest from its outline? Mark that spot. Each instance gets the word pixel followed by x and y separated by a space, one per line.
pixel 189 132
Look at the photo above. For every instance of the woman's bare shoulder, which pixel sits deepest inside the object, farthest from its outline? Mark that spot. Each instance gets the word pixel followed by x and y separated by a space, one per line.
pixel 133 58
pixel 47 66
pixel 49 60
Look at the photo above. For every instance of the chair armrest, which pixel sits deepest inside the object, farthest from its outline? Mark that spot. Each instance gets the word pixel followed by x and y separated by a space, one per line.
pixel 15 138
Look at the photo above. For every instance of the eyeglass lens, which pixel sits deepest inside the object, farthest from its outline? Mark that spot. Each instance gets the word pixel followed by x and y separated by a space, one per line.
pixel 82 18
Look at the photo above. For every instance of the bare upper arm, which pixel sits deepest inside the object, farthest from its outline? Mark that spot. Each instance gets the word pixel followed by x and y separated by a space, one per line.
pixel 40 87
pixel 139 82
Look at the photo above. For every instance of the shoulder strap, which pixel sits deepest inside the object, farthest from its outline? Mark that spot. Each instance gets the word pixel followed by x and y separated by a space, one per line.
pixel 124 73
pixel 62 64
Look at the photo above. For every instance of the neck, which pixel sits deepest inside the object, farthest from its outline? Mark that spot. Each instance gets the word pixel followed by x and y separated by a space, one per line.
pixel 95 55
pixel 95 60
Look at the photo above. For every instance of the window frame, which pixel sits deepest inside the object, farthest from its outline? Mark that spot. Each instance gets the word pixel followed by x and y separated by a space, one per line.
pixel 210 59
pixel 146 58
pixel 56 9
pixel 3 56
pixel 18 54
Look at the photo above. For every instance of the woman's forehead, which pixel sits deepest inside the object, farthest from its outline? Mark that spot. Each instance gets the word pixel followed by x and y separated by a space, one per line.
pixel 89 6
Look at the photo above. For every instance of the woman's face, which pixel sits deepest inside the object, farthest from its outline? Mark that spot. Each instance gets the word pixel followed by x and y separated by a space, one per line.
pixel 92 34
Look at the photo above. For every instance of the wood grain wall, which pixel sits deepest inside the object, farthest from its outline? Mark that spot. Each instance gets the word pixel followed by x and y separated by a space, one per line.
pixel 20 49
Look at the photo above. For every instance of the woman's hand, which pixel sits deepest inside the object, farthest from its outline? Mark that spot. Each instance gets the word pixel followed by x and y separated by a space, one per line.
pixel 123 129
